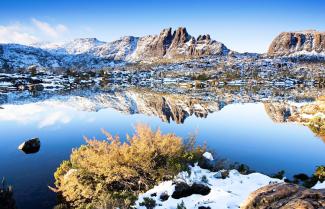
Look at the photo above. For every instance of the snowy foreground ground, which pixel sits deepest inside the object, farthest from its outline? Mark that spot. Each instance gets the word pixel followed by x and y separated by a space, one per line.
pixel 229 193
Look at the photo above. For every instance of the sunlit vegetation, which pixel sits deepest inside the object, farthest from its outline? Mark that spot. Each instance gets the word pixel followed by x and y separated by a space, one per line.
pixel 317 125
pixel 111 173
pixel 320 173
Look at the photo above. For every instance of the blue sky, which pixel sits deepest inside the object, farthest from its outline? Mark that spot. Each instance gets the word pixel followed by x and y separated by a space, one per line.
pixel 241 25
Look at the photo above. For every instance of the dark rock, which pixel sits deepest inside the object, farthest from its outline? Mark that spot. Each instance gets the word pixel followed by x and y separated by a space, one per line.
pixel 184 190
pixel 164 196
pixel 36 87
pixel 153 194
pixel 203 207
pixel 285 196
pixel 30 146
pixel 200 189
pixel 222 174
pixel 204 38
pixel 301 177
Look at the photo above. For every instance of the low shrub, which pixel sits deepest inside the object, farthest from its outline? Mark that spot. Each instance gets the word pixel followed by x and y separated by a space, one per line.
pixel 149 203
pixel 112 172
pixel 320 173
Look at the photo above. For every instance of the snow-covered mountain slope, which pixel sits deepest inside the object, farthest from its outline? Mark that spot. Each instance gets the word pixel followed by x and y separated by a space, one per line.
pixel 92 53
pixel 15 56
pixel 19 56
pixel 77 46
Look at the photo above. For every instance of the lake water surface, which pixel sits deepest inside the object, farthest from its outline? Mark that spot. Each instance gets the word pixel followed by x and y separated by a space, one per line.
pixel 240 132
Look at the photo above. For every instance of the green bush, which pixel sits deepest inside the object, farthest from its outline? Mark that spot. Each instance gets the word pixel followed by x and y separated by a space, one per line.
pixel 320 173
pixel 181 206
pixel 112 172
pixel 149 203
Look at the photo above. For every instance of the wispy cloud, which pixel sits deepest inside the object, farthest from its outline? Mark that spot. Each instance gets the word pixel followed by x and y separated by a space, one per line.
pixel 52 31
pixel 16 33
pixel 34 31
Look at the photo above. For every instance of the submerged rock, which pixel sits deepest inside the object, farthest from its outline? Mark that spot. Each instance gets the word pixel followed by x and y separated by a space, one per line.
pixel 285 196
pixel 30 146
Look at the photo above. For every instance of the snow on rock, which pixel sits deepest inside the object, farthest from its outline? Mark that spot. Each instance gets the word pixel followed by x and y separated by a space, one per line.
pixel 319 185
pixel 225 193
pixel 208 156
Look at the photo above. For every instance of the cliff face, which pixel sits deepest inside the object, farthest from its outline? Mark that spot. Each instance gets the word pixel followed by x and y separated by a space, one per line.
pixel 278 112
pixel 298 43
pixel 176 44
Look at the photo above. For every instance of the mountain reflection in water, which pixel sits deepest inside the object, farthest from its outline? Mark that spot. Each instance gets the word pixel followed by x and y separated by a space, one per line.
pixel 267 129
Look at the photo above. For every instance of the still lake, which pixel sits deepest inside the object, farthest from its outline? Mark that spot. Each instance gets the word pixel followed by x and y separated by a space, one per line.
pixel 239 132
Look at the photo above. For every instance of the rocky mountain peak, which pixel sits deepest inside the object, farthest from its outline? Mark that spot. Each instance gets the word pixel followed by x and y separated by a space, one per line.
pixel 308 42
pixel 204 37
pixel 180 36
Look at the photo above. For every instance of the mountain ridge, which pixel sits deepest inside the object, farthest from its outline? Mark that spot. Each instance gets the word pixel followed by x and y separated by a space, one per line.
pixel 168 45
pixel 93 53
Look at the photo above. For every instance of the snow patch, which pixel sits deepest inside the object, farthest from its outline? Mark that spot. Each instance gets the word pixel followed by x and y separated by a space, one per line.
pixel 225 193
pixel 319 185
pixel 208 156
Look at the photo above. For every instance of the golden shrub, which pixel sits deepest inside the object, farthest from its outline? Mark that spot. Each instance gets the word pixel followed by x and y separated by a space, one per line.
pixel 112 171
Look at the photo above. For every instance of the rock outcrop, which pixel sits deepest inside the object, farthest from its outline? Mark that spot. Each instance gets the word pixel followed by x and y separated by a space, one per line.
pixel 310 43
pixel 176 44
pixel 278 112
pixel 285 196
pixel 30 146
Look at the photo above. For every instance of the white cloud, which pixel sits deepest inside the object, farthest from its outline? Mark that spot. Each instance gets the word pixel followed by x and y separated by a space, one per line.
pixel 32 32
pixel 53 119
pixel 16 34
pixel 46 28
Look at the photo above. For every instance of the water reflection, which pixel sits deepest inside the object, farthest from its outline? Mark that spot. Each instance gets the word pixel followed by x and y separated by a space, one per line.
pixel 268 133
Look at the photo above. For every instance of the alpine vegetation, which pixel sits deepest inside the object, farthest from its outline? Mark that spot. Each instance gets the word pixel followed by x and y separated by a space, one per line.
pixel 111 173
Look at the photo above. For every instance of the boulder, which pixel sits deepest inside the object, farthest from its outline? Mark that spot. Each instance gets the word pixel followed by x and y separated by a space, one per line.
pixel 30 146
pixel 182 189
pixel 164 196
pixel 285 196
pixel 222 174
